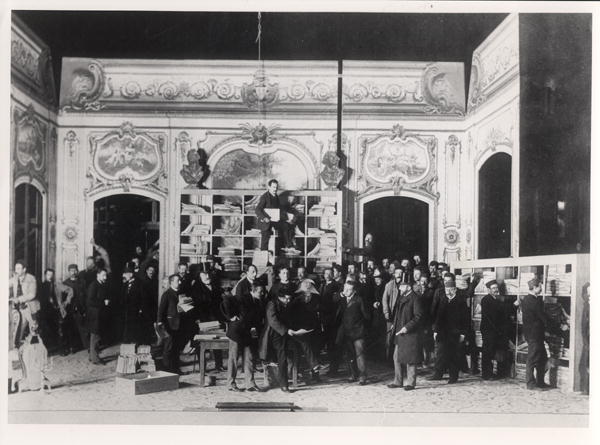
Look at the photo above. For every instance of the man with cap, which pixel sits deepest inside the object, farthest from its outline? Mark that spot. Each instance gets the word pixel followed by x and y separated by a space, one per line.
pixel 407 332
pixel 305 316
pixel 494 333
pixel 388 303
pixel 450 327
pixel 534 327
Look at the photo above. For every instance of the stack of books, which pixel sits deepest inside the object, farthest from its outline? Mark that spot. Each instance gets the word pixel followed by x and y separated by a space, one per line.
pixel 127 361
pixel 193 209
pixel 228 260
pixel 194 249
pixel 144 359
pixel 227 207
pixel 252 232
pixel 196 229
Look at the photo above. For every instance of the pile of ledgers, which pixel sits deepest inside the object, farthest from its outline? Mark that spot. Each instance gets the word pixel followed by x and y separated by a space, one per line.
pixel 130 361
pixel 193 209
pixel 252 232
pixel 227 207
pixel 291 251
pixel 194 249
pixel 228 260
pixel 322 209
pixel 196 229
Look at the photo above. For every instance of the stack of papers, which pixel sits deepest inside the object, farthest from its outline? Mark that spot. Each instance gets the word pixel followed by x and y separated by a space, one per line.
pixel 228 260
pixel 196 229
pixel 227 207
pixel 558 281
pixel 252 232
pixel 194 249
pixel 193 209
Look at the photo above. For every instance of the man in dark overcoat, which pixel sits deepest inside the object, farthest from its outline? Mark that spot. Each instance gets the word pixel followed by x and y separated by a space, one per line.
pixel 534 327
pixel 354 317
pixel 97 303
pixel 75 282
pixel 169 316
pixel 494 331
pixel 278 335
pixel 207 298
pixel 329 293
pixel 406 331
pixel 132 299
pixel 245 317
pixel 305 314
pixel 450 328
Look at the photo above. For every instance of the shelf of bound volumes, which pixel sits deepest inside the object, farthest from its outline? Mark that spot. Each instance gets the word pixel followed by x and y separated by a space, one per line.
pixel 563 278
pixel 223 224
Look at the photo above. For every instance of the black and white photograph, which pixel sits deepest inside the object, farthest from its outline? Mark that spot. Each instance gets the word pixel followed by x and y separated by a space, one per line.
pixel 261 216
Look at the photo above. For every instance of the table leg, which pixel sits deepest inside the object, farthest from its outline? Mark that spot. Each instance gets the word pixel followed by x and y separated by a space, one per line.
pixel 202 359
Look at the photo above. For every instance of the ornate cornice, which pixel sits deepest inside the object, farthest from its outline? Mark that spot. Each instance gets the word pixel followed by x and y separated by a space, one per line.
pixel 94 85
pixel 416 88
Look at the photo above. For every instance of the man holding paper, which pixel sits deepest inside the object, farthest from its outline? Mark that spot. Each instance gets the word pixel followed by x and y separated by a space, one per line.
pixel 269 212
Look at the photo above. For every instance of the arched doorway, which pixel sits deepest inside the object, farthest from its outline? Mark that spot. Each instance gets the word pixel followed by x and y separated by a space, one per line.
pixel 28 229
pixel 399 225
pixel 494 207
pixel 124 221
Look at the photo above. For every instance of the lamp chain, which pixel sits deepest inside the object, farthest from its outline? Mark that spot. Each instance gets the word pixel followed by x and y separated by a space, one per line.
pixel 259 35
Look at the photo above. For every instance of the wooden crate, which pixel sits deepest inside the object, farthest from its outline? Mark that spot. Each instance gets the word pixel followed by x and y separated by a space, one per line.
pixel 145 383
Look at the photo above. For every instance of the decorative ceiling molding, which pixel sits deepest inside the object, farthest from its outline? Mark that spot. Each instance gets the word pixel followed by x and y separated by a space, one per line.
pixel 113 85
pixel 412 88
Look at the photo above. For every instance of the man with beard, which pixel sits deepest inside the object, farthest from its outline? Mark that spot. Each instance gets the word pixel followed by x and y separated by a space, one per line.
pixel 207 299
pixel 388 302
pixel 78 303
pixel 353 316
pixel 185 280
pixel 494 333
pixel 131 296
pixel 97 303
pixel 283 284
pixel 450 328
pixel 305 316
pixel 426 321
pixel 278 335
pixel 406 329
pixel 89 274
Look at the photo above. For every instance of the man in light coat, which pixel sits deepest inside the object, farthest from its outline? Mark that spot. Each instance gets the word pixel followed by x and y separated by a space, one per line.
pixel 388 303
pixel 23 295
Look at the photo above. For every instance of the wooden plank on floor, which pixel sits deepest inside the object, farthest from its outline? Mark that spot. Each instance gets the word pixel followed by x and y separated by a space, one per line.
pixel 254 406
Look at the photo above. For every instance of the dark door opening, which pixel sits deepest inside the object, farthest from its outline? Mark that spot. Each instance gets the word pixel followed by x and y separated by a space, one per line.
pixel 122 222
pixel 495 207
pixel 399 227
pixel 28 207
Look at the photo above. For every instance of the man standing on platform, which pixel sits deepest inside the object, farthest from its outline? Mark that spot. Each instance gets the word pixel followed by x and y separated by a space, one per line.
pixel 494 334
pixel 268 212
pixel 534 327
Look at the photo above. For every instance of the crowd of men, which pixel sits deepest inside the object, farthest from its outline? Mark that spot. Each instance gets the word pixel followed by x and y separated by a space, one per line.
pixel 400 312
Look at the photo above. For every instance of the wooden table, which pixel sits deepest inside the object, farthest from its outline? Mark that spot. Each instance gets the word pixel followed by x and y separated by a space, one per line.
pixel 208 341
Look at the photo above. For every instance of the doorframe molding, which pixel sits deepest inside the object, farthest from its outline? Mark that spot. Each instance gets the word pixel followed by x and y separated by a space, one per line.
pixel 432 211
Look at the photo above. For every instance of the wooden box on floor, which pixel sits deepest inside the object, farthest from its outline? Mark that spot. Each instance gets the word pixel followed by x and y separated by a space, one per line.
pixel 145 383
